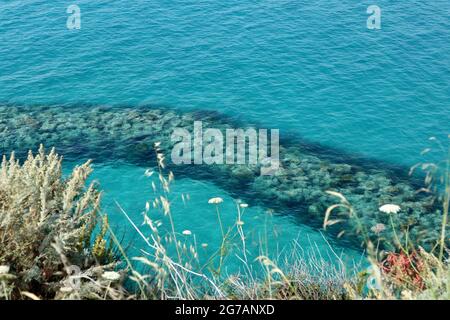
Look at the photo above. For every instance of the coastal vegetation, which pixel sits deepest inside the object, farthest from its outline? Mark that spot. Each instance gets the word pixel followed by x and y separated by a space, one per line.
pixel 47 227
pixel 56 243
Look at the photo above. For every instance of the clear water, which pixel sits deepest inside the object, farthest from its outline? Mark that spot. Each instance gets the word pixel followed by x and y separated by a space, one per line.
pixel 307 67
pixel 126 188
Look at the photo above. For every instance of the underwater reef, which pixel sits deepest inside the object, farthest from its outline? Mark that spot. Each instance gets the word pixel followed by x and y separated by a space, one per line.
pixel 109 134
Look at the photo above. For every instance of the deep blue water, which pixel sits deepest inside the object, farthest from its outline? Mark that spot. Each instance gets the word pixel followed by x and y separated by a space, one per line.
pixel 311 68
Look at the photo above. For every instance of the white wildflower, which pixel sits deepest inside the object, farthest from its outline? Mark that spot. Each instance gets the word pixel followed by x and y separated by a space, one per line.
pixel 390 208
pixel 215 200
pixel 187 232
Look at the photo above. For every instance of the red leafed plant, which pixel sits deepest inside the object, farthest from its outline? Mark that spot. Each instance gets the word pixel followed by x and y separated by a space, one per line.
pixel 404 268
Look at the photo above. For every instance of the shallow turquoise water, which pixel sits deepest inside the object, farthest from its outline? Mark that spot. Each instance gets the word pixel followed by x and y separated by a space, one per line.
pixel 308 68
pixel 127 188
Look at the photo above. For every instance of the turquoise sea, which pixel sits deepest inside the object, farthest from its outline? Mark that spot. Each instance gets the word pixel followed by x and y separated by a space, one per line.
pixel 309 68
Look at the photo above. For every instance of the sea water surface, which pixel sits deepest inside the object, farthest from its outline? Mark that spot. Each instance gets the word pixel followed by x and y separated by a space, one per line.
pixel 308 68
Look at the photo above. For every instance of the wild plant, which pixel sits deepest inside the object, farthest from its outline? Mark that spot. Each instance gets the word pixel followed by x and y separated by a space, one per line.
pixel 409 271
pixel 39 208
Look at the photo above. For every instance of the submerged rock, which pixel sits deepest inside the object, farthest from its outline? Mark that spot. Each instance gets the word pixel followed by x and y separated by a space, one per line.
pixel 126 133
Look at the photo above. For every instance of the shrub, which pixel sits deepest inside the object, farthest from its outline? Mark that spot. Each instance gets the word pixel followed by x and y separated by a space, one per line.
pixel 49 226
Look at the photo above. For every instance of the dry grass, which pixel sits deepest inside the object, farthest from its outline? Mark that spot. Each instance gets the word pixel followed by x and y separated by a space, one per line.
pixel 174 270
